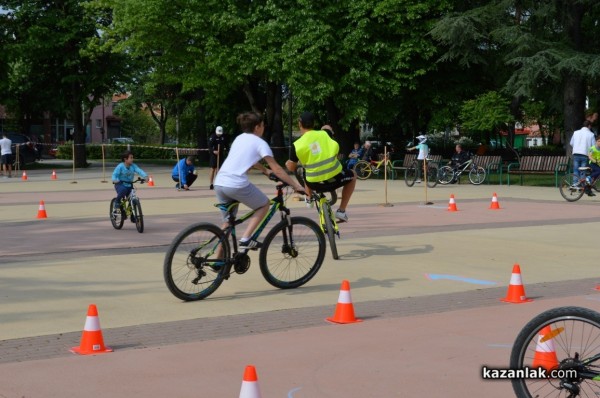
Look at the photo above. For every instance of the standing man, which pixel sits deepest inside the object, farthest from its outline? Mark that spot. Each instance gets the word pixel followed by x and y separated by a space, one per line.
pixel 318 154
pixel 6 156
pixel 216 145
pixel 185 169
pixel 582 140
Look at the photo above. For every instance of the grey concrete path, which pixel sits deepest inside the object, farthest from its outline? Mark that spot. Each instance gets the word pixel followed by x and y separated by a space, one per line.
pixel 426 280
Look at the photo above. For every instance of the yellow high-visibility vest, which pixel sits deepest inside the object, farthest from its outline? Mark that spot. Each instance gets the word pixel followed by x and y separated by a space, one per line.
pixel 318 154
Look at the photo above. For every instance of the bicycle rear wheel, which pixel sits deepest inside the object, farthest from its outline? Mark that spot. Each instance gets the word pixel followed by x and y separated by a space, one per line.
pixel 191 268
pixel 477 175
pixel 446 175
pixel 570 190
pixel 138 216
pixel 362 169
pixel 572 333
pixel 117 217
pixel 432 176
pixel 292 256
pixel 410 174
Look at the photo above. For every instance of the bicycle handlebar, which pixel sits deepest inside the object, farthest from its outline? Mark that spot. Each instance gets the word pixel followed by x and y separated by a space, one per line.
pixel 140 180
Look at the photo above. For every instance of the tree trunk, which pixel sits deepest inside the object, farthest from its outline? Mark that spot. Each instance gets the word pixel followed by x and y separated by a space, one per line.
pixel 80 159
pixel 574 107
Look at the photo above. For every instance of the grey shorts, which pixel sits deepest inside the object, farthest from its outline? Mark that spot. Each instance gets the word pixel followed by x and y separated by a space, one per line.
pixel 250 196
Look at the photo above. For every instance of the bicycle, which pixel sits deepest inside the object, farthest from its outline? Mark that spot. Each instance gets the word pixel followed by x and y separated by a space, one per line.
pixel 572 187
pixel 203 255
pixel 327 219
pixel 449 174
pixel 130 207
pixel 564 342
pixel 365 168
pixel 413 171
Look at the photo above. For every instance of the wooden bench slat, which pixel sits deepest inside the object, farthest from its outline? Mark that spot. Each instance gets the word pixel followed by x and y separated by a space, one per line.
pixel 539 164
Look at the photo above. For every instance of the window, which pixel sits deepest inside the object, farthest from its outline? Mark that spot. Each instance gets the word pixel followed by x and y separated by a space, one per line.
pixel 98 123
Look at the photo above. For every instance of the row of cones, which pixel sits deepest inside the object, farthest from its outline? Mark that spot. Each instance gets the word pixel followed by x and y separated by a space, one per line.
pixel 495 205
pixel 52 176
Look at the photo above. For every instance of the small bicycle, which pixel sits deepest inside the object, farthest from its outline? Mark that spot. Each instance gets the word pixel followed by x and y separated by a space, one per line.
pixel 413 171
pixel 130 207
pixel 324 201
pixel 203 255
pixel 572 187
pixel 364 169
pixel 565 343
pixel 448 174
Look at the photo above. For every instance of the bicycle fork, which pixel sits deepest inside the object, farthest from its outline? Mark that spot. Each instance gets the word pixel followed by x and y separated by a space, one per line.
pixel 324 207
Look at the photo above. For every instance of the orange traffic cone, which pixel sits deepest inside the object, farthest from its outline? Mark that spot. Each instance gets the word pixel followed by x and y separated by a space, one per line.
pixel 250 388
pixel 545 354
pixel 150 182
pixel 452 204
pixel 53 175
pixel 24 177
pixel 495 205
pixel 516 290
pixel 344 311
pixel 42 210
pixel 91 339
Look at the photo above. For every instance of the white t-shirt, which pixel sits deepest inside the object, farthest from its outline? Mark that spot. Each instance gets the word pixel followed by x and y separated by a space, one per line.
pixel 247 149
pixel 582 140
pixel 423 151
pixel 5 144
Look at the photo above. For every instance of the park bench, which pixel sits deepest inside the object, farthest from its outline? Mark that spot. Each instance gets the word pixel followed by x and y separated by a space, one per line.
pixel 409 158
pixel 539 164
pixel 491 164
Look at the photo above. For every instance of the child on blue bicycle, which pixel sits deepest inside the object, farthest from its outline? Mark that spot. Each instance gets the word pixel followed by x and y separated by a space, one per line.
pixel 123 176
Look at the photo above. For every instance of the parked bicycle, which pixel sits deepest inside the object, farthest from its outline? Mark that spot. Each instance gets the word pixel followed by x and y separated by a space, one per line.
pixel 565 342
pixel 415 171
pixel 572 187
pixel 203 255
pixel 323 201
pixel 130 207
pixel 364 169
pixel 449 174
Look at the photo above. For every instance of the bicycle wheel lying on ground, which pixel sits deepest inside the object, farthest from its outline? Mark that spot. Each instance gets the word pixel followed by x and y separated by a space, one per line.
pixel 477 175
pixel 445 175
pixel 362 169
pixel 289 263
pixel 191 269
pixel 566 339
pixel 410 175
pixel 138 217
pixel 117 217
pixel 569 189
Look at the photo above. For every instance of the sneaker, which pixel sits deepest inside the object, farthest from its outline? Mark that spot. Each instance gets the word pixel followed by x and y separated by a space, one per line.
pixel 249 244
pixel 418 181
pixel 341 215
pixel 309 203
pixel 589 192
pixel 211 186
pixel 177 186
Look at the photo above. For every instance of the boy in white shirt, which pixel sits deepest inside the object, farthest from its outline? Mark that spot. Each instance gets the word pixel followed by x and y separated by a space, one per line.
pixel 6 155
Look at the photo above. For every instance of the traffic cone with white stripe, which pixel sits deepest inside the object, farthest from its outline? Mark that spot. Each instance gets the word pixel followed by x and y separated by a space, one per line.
pixel 24 176
pixel 250 388
pixel 452 204
pixel 150 182
pixel 42 210
pixel 53 176
pixel 495 205
pixel 545 354
pixel 91 339
pixel 516 290
pixel 344 311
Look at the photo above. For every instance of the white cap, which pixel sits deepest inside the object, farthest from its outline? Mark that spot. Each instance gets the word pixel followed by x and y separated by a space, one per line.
pixel 422 138
pixel 219 130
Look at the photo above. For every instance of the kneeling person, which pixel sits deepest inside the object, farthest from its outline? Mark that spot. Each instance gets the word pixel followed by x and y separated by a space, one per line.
pixel 185 168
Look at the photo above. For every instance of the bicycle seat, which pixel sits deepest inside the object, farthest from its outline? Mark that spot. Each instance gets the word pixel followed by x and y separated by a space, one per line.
pixel 227 206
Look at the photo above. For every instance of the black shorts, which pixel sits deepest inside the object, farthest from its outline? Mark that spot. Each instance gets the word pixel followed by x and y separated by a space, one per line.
pixel 6 159
pixel 212 162
pixel 339 180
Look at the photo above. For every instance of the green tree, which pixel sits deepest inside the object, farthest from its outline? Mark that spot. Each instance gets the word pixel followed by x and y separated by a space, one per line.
pixel 485 116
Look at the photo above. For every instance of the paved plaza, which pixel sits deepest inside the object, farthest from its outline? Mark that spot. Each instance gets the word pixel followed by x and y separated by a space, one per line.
pixel 425 281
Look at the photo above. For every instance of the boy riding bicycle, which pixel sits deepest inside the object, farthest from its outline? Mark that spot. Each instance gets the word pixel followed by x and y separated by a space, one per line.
pixel 123 176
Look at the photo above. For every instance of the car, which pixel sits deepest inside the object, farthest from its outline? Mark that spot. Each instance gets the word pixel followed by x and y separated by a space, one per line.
pixel 122 140
pixel 28 151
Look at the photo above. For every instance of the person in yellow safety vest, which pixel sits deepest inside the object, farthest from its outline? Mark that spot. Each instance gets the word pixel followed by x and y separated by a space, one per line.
pixel 594 155
pixel 318 153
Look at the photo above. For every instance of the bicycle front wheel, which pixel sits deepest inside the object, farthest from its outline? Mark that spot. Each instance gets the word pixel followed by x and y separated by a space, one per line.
pixel 432 176
pixel 194 266
pixel 446 175
pixel 563 338
pixel 477 175
pixel 117 216
pixel 330 230
pixel 570 188
pixel 410 174
pixel 138 217
pixel 362 170
pixel 292 255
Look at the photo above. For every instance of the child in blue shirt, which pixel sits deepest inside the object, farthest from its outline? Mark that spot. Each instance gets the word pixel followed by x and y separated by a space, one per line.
pixel 123 175
pixel 186 168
